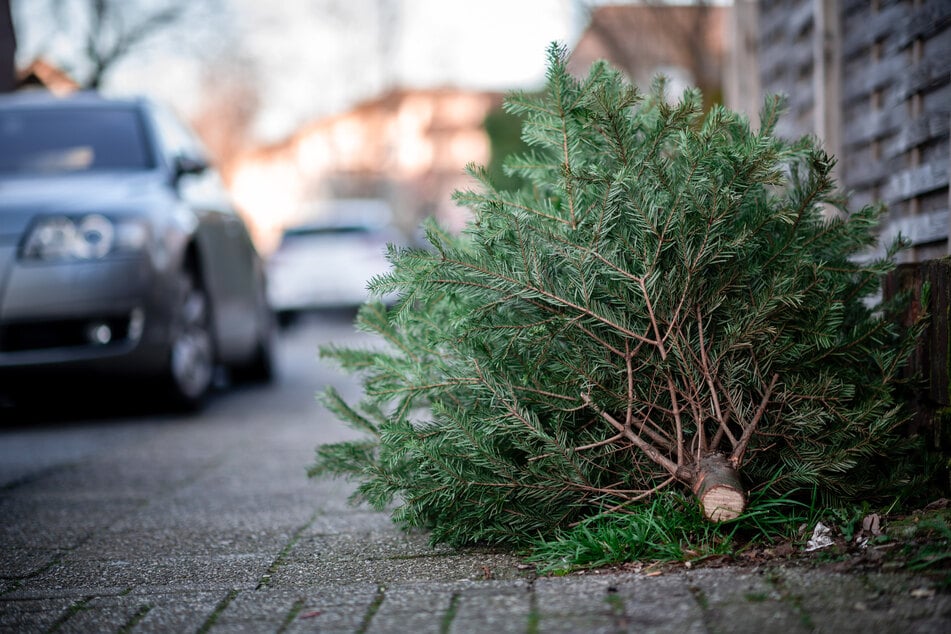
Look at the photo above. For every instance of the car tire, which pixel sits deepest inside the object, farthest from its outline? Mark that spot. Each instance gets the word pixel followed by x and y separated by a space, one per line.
pixel 286 318
pixel 191 357
pixel 263 366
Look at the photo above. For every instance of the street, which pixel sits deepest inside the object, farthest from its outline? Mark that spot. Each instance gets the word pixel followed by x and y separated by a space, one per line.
pixel 33 443
pixel 184 509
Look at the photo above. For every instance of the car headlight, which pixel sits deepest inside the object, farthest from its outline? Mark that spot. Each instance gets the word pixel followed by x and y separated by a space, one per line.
pixel 86 237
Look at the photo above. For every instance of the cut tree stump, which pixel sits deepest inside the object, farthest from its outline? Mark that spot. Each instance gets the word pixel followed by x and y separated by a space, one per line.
pixel 719 489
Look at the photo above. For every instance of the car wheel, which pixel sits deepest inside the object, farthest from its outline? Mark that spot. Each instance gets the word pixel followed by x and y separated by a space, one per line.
pixel 263 366
pixel 286 318
pixel 191 363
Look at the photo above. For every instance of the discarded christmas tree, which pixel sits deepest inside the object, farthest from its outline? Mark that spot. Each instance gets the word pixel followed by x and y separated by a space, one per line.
pixel 667 304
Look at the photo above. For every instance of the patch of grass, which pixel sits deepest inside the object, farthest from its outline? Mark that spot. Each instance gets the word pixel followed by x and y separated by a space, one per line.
pixel 614 602
pixel 670 528
pixel 937 551
pixel 281 558
pixel 700 597
pixel 291 615
pixel 665 529
pixel 534 618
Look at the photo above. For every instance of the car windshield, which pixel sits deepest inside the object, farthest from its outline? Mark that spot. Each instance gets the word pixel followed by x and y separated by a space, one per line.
pixel 61 140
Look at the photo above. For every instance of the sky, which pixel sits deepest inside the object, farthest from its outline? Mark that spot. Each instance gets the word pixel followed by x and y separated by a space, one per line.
pixel 366 46
pixel 313 58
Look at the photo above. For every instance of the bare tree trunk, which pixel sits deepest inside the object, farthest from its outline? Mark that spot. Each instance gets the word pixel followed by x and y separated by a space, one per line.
pixel 8 46
pixel 718 488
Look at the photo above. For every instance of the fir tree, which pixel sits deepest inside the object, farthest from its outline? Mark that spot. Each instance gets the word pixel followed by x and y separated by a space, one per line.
pixel 665 304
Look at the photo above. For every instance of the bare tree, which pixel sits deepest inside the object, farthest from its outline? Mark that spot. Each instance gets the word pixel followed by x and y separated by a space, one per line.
pixel 109 30
pixel 230 101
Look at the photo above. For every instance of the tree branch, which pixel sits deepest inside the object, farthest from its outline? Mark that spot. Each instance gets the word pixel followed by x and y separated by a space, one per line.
pixel 675 470
pixel 737 456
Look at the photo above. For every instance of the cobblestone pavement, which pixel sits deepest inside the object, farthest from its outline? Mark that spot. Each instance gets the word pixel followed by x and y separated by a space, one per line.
pixel 174 535
pixel 209 525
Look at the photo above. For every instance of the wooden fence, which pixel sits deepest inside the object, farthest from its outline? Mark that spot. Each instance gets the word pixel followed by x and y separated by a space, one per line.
pixel 929 363
pixel 872 79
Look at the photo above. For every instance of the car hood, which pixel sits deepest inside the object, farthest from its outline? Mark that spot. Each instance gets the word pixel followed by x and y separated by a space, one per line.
pixel 22 199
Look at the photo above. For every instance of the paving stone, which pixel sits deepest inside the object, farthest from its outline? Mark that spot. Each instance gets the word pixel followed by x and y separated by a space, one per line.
pixel 342 608
pixel 136 543
pixel 744 602
pixel 24 562
pixel 868 602
pixel 175 611
pixel 96 577
pixel 32 615
pixel 497 607
pixel 96 615
pixel 32 523
pixel 618 603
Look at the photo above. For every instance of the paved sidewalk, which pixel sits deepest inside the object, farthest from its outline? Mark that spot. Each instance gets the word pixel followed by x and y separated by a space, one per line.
pixel 233 540
pixel 210 525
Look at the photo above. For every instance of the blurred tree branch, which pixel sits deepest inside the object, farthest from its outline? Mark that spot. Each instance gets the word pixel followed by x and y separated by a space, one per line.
pixel 110 29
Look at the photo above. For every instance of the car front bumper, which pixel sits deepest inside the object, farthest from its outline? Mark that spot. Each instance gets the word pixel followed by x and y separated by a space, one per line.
pixel 101 315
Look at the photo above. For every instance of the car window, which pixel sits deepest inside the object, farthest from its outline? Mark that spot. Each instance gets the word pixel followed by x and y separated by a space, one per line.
pixel 58 140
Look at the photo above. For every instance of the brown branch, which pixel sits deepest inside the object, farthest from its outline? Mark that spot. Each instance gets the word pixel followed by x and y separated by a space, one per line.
pixel 691 391
pixel 708 376
pixel 671 388
pixel 601 443
pixel 737 456
pixel 640 496
pixel 658 436
pixel 675 470
pixel 629 416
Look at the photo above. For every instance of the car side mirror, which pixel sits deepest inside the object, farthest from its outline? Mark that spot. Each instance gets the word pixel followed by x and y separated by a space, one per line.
pixel 187 165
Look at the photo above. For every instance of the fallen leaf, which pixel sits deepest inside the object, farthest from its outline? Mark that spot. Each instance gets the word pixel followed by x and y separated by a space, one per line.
pixel 821 538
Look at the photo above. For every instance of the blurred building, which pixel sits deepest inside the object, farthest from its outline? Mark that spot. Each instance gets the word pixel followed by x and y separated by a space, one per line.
pixel 410 147
pixel 687 44
pixel 873 81
pixel 41 75
pixel 407 147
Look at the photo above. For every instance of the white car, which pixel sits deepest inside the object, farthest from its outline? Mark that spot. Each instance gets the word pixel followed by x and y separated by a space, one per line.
pixel 327 264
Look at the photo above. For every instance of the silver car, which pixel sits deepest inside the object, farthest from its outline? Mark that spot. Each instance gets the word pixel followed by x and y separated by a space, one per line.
pixel 120 254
